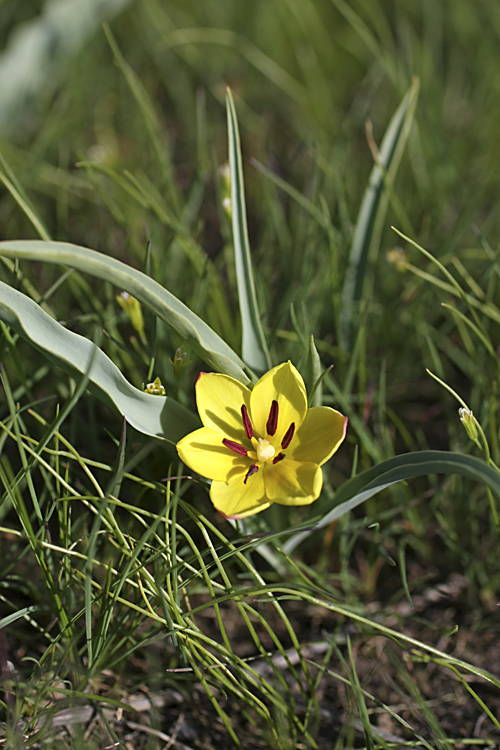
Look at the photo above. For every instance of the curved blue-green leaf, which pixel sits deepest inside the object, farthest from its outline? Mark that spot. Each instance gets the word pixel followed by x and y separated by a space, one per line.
pixel 373 208
pixel 158 416
pixel 253 346
pixel 193 330
pixel 355 491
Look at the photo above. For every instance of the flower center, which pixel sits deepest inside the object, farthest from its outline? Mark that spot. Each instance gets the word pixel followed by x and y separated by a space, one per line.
pixel 264 450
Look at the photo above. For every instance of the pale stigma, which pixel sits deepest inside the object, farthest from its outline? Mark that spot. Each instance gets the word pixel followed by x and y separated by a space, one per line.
pixel 265 450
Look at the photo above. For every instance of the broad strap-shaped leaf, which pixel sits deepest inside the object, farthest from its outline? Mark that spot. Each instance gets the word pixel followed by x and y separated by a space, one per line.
pixel 420 463
pixel 193 330
pixel 373 208
pixel 158 416
pixel 254 346
pixel 314 375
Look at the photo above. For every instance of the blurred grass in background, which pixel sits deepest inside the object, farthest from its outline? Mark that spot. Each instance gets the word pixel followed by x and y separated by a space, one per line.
pixel 121 150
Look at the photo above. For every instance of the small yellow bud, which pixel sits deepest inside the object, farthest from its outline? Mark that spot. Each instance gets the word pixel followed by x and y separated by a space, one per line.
pixel 155 388
pixel 132 307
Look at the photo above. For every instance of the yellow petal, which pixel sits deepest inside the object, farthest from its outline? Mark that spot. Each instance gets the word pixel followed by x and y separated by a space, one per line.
pixel 219 399
pixel 319 435
pixel 283 384
pixel 236 499
pixel 293 482
pixel 203 451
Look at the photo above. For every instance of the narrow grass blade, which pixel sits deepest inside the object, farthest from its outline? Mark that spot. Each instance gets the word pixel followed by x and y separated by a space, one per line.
pixel 9 179
pixel 360 699
pixel 373 209
pixel 155 131
pixel 294 194
pixel 9 619
pixel 420 463
pixel 195 332
pixel 274 73
pixel 453 287
pixel 115 483
pixel 254 347
pixel 473 327
pixel 153 415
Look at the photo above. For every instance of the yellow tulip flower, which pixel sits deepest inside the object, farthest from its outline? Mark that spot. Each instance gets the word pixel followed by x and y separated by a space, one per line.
pixel 260 446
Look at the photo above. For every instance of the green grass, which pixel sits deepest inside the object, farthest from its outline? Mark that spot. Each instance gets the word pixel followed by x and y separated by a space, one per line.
pixel 118 580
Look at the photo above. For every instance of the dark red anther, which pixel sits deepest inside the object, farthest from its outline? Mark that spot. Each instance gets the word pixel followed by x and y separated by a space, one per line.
pixel 246 422
pixel 279 457
pixel 236 447
pixel 287 438
pixel 272 422
pixel 252 470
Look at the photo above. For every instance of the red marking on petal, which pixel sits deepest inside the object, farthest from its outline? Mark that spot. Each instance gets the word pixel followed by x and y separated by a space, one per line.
pixel 252 470
pixel 287 438
pixel 236 447
pixel 279 457
pixel 272 422
pixel 246 422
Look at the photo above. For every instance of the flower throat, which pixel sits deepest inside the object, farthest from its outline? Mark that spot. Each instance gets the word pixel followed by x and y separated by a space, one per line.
pixel 264 451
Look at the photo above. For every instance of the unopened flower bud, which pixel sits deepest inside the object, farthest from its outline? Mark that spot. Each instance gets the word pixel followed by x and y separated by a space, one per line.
pixel 180 360
pixel 155 388
pixel 468 420
pixel 132 307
